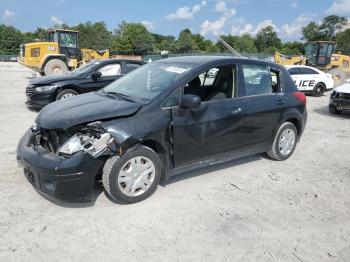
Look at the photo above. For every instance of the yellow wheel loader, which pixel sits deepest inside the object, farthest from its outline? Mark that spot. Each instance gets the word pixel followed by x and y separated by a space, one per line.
pixel 59 54
pixel 321 55
pixel 289 60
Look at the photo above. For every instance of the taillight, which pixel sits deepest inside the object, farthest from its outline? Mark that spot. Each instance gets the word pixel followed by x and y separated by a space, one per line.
pixel 300 96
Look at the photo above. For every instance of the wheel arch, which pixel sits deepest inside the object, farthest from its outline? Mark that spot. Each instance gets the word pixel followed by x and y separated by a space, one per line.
pixel 295 117
pixel 296 122
pixel 323 84
pixel 158 148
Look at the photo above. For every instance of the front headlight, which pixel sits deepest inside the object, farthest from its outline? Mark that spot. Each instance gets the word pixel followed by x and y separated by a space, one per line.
pixel 90 144
pixel 72 146
pixel 45 88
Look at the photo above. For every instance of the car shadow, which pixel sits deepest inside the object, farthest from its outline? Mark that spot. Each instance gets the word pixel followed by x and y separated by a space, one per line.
pixel 213 168
pixel 33 109
pixel 325 112
pixel 98 189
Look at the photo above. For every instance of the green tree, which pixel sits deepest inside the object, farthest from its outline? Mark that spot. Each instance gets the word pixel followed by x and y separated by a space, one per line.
pixel 10 40
pixel 232 40
pixel 292 48
pixel 343 41
pixel 326 31
pixel 331 25
pixel 267 40
pixel 94 35
pixel 311 32
pixel 185 42
pixel 40 34
pixel 247 44
pixel 134 38
pixel 204 45
pixel 164 43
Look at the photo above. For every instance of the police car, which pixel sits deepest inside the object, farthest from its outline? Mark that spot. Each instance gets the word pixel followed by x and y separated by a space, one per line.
pixel 311 80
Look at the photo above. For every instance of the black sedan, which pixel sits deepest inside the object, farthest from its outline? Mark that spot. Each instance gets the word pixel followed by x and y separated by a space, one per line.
pixel 91 77
pixel 160 120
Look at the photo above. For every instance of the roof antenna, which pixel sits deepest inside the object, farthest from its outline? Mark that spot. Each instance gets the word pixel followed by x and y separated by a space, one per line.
pixel 230 48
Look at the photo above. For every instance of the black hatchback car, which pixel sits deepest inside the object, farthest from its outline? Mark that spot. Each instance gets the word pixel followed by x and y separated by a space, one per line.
pixel 91 77
pixel 160 120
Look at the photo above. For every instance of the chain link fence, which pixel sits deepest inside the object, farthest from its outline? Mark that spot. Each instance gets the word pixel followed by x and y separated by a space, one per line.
pixel 8 58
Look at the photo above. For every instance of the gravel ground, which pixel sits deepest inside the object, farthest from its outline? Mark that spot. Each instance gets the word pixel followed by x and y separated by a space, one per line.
pixel 253 209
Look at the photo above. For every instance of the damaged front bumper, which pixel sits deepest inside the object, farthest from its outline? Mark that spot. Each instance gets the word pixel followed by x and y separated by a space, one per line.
pixel 66 179
pixel 340 103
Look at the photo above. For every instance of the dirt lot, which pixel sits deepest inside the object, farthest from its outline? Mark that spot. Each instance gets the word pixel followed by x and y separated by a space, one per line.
pixel 253 209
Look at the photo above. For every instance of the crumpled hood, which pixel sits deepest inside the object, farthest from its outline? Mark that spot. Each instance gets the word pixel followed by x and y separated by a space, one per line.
pixel 84 108
pixel 45 80
pixel 343 88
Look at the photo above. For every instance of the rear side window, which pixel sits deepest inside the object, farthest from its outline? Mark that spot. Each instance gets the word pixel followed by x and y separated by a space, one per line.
pixel 110 70
pixel 308 71
pixel 294 71
pixel 257 80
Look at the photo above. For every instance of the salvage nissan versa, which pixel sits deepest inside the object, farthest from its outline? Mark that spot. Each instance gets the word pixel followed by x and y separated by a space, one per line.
pixel 160 120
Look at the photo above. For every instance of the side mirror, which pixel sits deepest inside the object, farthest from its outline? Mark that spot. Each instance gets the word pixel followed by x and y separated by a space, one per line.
pixel 96 75
pixel 190 101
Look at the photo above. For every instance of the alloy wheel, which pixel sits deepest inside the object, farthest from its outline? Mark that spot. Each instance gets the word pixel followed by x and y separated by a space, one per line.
pixel 67 95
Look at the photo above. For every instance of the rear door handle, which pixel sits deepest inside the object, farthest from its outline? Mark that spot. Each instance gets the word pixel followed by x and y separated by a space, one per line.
pixel 280 102
pixel 235 110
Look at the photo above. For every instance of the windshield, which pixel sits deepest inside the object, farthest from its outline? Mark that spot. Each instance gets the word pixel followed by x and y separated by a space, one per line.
pixel 149 80
pixel 85 68
pixel 68 39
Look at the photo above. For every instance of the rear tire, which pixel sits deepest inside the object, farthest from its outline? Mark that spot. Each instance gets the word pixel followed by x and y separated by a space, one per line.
pixel 132 177
pixel 66 93
pixel 55 67
pixel 319 90
pixel 333 110
pixel 284 143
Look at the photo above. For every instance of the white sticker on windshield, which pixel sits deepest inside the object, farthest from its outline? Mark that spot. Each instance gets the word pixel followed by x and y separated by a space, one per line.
pixel 175 69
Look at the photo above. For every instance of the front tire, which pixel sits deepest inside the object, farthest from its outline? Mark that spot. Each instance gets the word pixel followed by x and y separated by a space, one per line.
pixel 284 143
pixel 66 93
pixel 333 110
pixel 318 90
pixel 55 67
pixel 132 177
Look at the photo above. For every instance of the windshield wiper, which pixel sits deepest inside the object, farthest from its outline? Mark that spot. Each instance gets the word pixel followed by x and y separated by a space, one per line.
pixel 123 96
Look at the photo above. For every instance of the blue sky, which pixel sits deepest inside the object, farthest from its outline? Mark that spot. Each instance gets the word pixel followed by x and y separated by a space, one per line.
pixel 208 17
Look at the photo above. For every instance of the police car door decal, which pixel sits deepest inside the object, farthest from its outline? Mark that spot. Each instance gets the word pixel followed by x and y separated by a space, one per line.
pixel 304 84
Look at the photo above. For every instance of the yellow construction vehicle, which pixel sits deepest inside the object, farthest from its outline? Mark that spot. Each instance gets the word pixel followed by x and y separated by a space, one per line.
pixel 321 55
pixel 289 60
pixel 59 54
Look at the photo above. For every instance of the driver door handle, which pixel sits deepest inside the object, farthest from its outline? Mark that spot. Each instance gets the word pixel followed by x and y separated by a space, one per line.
pixel 235 110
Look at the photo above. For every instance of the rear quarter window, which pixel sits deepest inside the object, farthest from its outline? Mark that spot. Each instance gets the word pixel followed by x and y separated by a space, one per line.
pixel 257 80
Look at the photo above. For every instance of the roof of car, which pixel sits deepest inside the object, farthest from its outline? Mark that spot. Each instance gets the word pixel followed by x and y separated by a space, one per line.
pixel 292 66
pixel 303 66
pixel 197 60
pixel 112 60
